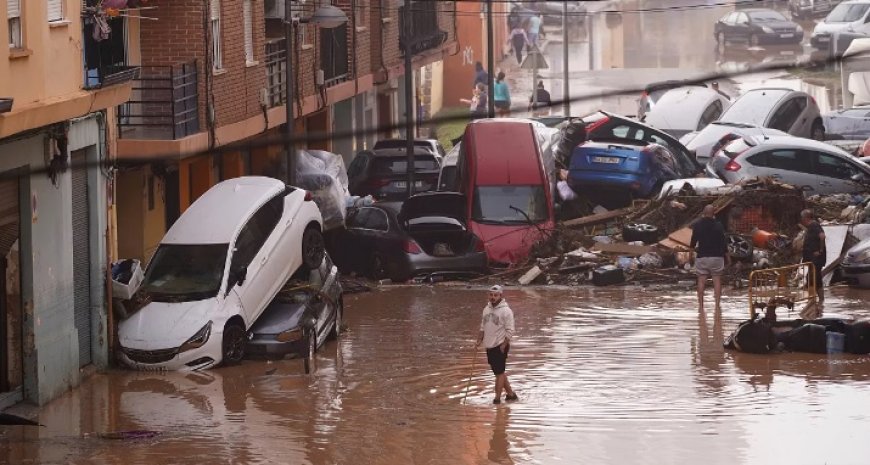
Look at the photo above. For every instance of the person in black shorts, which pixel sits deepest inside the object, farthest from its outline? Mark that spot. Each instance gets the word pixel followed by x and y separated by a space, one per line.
pixel 496 330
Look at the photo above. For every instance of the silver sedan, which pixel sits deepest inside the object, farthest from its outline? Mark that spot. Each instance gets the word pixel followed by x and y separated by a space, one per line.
pixel 815 167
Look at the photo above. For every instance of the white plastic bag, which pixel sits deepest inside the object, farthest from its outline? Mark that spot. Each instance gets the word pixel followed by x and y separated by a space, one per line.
pixel 565 191
pixel 324 175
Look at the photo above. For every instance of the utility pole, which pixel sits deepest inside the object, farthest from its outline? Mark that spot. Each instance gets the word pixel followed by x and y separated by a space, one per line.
pixel 590 21
pixel 490 60
pixel 289 90
pixel 566 93
pixel 409 97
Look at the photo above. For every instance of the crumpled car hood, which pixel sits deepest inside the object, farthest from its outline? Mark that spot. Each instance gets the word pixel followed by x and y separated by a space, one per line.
pixel 510 244
pixel 165 325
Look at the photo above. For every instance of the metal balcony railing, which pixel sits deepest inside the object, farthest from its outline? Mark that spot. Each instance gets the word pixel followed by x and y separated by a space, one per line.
pixel 425 32
pixel 276 66
pixel 334 59
pixel 164 104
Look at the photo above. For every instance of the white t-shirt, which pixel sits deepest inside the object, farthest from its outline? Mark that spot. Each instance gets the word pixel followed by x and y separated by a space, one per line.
pixel 497 324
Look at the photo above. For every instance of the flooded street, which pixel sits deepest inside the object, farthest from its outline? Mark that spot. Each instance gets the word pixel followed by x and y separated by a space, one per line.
pixel 633 375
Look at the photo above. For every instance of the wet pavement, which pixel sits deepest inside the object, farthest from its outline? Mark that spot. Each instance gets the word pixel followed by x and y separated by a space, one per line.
pixel 622 375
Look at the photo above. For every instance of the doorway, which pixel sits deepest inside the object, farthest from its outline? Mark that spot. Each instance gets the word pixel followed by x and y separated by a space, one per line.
pixel 11 315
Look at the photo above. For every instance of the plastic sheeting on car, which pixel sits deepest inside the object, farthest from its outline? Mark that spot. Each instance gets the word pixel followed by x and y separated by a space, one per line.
pixel 325 176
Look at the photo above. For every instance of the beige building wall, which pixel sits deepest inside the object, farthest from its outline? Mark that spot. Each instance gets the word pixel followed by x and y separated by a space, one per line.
pixel 437 97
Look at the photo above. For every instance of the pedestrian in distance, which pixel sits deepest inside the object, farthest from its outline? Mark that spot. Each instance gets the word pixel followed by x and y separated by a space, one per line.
pixel 715 86
pixel 708 240
pixel 814 249
pixel 501 95
pixel 480 75
pixel 477 105
pixel 519 40
pixel 542 106
pixel 496 332
pixel 535 29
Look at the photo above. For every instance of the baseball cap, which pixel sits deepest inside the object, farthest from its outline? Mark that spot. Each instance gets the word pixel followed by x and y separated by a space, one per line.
pixel 496 288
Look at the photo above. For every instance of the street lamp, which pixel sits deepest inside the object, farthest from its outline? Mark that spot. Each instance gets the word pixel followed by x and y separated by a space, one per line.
pixel 326 16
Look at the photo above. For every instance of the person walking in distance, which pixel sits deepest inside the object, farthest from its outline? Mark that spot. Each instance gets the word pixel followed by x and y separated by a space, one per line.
pixel 535 29
pixel 708 239
pixel 519 40
pixel 496 331
pixel 501 95
pixel 814 249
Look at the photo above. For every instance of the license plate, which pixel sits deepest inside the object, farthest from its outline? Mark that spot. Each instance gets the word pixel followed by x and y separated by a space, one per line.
pixel 786 36
pixel 823 39
pixel 404 184
pixel 611 160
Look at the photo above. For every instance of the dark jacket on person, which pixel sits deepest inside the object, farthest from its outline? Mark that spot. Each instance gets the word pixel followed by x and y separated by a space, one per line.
pixel 709 236
pixel 812 242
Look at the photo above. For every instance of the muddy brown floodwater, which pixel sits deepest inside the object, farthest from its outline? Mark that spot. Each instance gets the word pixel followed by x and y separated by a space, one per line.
pixel 615 376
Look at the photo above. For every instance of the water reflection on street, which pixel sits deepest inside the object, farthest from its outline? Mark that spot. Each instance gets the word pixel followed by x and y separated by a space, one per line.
pixel 633 375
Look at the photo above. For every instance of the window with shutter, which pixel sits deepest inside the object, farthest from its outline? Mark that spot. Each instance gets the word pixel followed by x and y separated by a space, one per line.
pixel 249 31
pixel 13 13
pixel 55 10
pixel 215 23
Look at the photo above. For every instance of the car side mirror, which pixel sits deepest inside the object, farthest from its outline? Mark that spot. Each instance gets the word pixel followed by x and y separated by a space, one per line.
pixel 859 178
pixel 239 275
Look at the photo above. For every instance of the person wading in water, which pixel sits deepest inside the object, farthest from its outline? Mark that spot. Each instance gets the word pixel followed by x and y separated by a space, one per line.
pixel 496 330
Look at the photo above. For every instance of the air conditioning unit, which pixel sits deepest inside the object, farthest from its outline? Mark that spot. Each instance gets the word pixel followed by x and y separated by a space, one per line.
pixel 274 9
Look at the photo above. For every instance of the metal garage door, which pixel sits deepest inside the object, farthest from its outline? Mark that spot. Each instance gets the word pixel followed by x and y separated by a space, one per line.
pixel 81 255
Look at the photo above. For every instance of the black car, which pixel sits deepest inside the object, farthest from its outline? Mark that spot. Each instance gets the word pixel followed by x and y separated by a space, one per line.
pixel 424 236
pixel 383 173
pixel 757 26
pixel 303 315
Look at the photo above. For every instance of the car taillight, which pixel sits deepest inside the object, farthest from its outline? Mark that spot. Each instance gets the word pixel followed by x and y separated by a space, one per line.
pixel 479 246
pixel 732 166
pixel 377 183
pixel 409 246
pixel 309 196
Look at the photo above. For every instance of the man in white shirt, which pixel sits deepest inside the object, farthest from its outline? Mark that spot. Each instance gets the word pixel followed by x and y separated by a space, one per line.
pixel 534 29
pixel 496 330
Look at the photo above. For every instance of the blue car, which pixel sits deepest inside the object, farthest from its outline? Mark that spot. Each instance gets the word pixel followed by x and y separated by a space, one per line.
pixel 613 173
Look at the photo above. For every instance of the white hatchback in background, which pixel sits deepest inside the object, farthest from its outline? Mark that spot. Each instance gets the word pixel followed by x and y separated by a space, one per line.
pixel 216 270
pixel 815 167
pixel 849 16
pixel 786 110
pixel 685 109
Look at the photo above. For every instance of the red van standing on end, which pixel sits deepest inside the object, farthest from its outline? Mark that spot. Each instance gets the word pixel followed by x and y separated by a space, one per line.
pixel 501 173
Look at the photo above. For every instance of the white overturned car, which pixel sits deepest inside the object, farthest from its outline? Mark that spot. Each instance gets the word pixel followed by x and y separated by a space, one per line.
pixel 216 270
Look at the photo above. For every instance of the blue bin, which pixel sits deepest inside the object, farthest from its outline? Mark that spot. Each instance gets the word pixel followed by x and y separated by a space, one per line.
pixel 835 342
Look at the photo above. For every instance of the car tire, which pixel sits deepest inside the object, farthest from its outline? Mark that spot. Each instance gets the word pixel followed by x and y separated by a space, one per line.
pixel 233 344
pixel 313 248
pixel 377 266
pixel 818 131
pixel 339 313
pixel 310 350
pixel 753 40
pixel 645 233
pixel 739 248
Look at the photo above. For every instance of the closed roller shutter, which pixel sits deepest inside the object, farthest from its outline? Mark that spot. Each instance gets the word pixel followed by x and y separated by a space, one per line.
pixel 81 256
pixel 55 10
pixel 8 215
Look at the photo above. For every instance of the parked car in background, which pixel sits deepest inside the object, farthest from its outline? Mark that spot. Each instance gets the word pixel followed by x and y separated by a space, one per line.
pixel 216 270
pixel 851 123
pixel 430 144
pixel 789 111
pixel 507 187
pixel 426 234
pixel 756 27
pixel 813 166
pixel 614 173
pixel 303 315
pixel 685 109
pixel 800 9
pixel 654 91
pixel 855 266
pixel 383 173
pixel 850 16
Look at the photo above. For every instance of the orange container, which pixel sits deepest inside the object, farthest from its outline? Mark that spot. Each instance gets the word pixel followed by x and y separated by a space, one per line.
pixel 762 239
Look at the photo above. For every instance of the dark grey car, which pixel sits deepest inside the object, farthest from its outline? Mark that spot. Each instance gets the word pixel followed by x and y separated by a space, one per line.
pixel 304 314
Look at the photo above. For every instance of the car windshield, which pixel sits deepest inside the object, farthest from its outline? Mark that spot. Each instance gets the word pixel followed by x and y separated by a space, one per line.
pixel 399 165
pixel 509 204
pixel 847 12
pixel 766 16
pixel 180 272
pixel 753 107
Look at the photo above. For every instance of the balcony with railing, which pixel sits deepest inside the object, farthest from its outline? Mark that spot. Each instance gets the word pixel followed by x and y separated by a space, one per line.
pixel 105 50
pixel 164 104
pixel 276 72
pixel 334 58
pixel 425 32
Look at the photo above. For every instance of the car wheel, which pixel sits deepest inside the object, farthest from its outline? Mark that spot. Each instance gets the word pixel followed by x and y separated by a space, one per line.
pixel 818 131
pixel 753 40
pixel 339 313
pixel 377 266
pixel 313 248
pixel 233 346
pixel 645 233
pixel 311 350
pixel 739 248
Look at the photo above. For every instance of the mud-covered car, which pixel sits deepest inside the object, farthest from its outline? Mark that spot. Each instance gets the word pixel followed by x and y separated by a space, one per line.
pixel 425 235
pixel 303 315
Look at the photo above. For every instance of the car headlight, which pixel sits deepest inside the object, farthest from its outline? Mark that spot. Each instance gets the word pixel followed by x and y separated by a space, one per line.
pixel 291 335
pixel 198 340
pixel 767 29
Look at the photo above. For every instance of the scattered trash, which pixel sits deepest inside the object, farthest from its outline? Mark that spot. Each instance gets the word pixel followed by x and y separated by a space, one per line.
pixel 607 275
pixel 531 275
